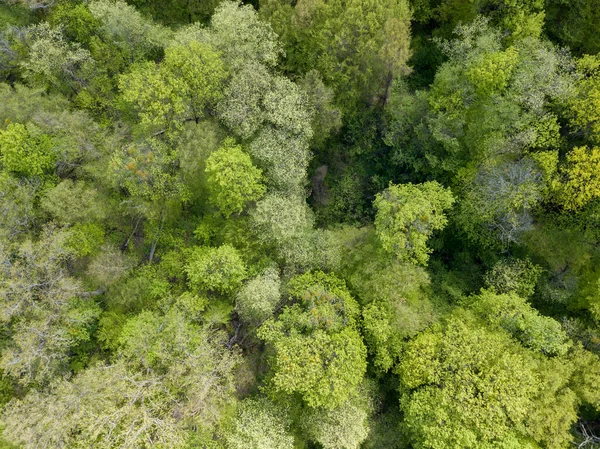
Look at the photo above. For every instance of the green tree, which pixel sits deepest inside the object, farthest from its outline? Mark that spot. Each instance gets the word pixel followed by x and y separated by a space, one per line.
pixel 578 183
pixel 53 61
pixel 259 424
pixel 284 225
pixel 514 275
pixel 122 24
pixel 573 23
pixel 259 297
pixel 357 46
pixel 317 350
pixel 148 170
pixel 42 306
pixel 216 269
pixel 464 385
pixel 344 427
pixel 25 151
pixel 232 179
pixel 178 89
pixel 513 314
pixel 186 382
pixel 407 215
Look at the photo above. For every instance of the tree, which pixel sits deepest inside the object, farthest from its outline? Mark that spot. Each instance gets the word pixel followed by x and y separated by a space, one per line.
pixel 489 103
pixel 345 427
pixel 216 269
pixel 178 89
pixel 232 179
pixel 573 23
pixel 52 61
pixel 72 202
pixel 122 24
pixel 284 224
pixel 578 183
pixel 407 215
pixel 17 211
pixel 317 350
pixel 514 275
pixel 148 170
pixel 186 381
pixel 242 37
pixel 259 424
pixel 584 105
pixel 464 385
pixel 498 201
pixel 41 306
pixel 358 47
pixel 512 313
pixel 25 151
pixel 517 19
pixel 258 298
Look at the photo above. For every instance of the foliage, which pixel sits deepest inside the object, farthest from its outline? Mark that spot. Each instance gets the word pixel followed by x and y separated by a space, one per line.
pixel 514 275
pixel 120 406
pixel 180 88
pixel 326 361
pixel 216 269
pixel 578 184
pixel 232 179
pixel 407 215
pixel 290 224
pixel 259 423
pixel 258 298
pixel 25 151
pixel 492 402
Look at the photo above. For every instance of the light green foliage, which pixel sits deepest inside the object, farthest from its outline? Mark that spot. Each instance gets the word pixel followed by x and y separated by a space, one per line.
pixel 345 427
pixel 513 314
pixel 178 89
pixel 17 211
pixel 241 109
pixel 286 108
pixel 85 239
pixel 188 383
pixel 284 159
pixel 395 295
pixel 514 275
pixel 258 298
pixel 52 61
pixel 196 73
pixel 25 151
pixel 586 375
pixel 148 170
pixel 318 352
pixel 284 223
pixel 466 386
pixel 72 202
pixel 327 118
pixel 216 269
pixel 407 215
pixel 232 179
pixel 259 424
pixel 128 29
pixel 492 72
pixel 587 99
pixel 578 183
pixel 39 305
pixel 239 34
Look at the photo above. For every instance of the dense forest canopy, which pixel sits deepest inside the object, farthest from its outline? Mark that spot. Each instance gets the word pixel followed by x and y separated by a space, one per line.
pixel 299 224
